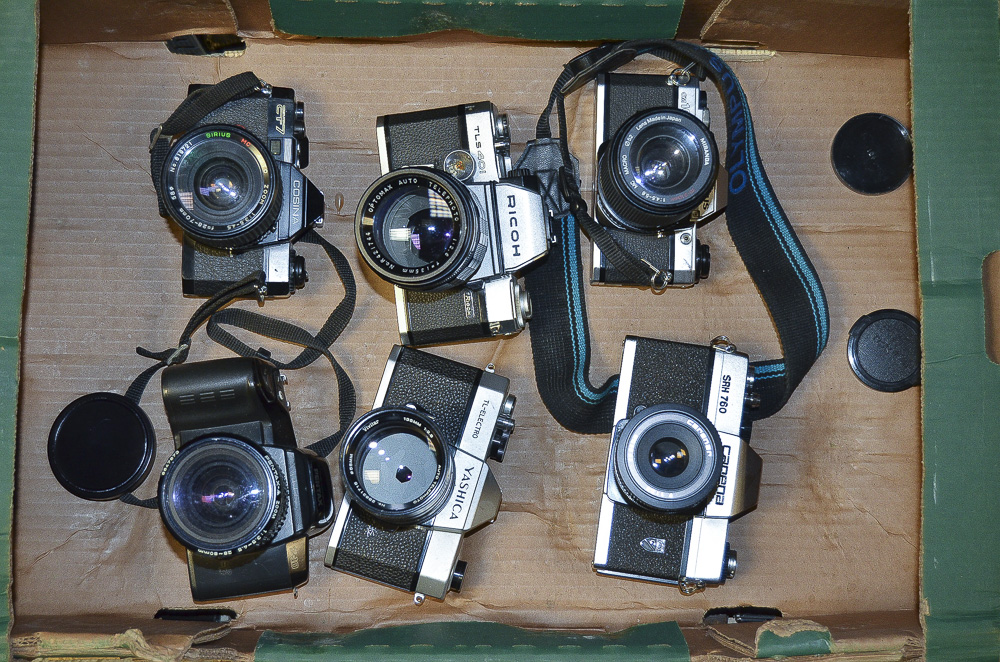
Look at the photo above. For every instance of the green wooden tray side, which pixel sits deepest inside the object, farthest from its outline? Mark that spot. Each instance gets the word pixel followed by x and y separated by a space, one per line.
pixel 465 641
pixel 549 20
pixel 956 92
pixel 18 64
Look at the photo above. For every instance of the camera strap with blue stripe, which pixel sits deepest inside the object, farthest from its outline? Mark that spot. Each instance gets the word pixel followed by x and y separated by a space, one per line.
pixel 761 232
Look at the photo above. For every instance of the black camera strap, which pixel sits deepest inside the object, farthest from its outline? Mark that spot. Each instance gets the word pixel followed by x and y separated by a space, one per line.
pixel 214 312
pixel 760 230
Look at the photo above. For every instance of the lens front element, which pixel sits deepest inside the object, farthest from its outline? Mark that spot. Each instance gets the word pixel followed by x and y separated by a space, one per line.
pixel 396 465
pixel 660 166
pixel 421 229
pixel 221 496
pixel 668 458
pixel 221 186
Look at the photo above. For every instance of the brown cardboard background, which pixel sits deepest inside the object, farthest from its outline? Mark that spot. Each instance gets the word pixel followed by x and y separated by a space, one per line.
pixel 837 526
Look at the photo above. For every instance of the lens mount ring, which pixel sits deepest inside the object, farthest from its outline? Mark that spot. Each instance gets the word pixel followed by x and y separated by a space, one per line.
pixel 397 466
pixel 659 166
pixel 678 426
pixel 221 496
pixel 221 186
pixel 421 229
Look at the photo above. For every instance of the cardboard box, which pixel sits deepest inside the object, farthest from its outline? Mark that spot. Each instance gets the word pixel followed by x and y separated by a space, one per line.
pixel 836 541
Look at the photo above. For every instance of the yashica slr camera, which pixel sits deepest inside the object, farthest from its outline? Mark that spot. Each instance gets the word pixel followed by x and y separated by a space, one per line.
pixel 450 225
pixel 680 467
pixel 238 493
pixel 234 187
pixel 657 176
pixel 415 474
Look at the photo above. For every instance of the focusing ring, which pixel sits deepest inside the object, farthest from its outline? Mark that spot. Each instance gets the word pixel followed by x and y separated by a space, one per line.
pixel 408 421
pixel 261 206
pixel 630 206
pixel 262 534
pixel 694 485
pixel 458 259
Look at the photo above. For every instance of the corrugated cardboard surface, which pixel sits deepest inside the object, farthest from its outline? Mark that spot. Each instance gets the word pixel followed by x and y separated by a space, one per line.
pixel 837 527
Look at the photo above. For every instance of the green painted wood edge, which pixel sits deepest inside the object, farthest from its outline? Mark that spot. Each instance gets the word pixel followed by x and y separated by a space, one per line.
pixel 465 641
pixel 549 20
pixel 804 642
pixel 956 96
pixel 18 68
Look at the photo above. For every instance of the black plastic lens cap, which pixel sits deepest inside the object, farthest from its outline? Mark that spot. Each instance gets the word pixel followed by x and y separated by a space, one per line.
pixel 884 350
pixel 101 446
pixel 872 153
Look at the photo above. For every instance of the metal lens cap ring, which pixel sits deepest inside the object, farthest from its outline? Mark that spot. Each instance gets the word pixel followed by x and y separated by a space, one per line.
pixel 658 168
pixel 396 465
pixel 668 457
pixel 222 495
pixel 221 186
pixel 419 229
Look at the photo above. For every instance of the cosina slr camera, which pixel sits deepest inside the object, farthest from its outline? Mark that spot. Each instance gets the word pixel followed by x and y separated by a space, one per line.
pixel 657 174
pixel 237 492
pixel 415 474
pixel 449 224
pixel 680 467
pixel 233 186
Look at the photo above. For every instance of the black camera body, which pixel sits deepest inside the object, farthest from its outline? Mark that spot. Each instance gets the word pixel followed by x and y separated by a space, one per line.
pixel 680 466
pixel 238 493
pixel 415 473
pixel 657 174
pixel 449 224
pixel 233 185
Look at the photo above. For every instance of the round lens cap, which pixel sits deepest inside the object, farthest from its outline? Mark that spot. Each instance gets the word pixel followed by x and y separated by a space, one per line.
pixel 101 446
pixel 884 350
pixel 872 153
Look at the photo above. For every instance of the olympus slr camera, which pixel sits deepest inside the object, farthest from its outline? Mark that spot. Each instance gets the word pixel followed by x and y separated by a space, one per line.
pixel 657 175
pixel 238 493
pixel 680 467
pixel 233 186
pixel 449 224
pixel 415 474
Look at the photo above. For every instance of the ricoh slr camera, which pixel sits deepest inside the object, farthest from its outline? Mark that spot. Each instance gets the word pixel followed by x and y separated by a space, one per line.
pixel 415 474
pixel 233 185
pixel 237 492
pixel 680 466
pixel 657 176
pixel 450 225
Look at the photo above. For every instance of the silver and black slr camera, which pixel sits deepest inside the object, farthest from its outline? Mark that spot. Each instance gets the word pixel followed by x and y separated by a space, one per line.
pixel 450 225
pixel 657 176
pixel 234 187
pixel 415 474
pixel 238 493
pixel 680 466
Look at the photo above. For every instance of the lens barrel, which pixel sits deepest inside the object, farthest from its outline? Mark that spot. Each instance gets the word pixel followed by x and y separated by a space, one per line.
pixel 222 496
pixel 396 465
pixel 668 458
pixel 221 186
pixel 421 229
pixel 659 166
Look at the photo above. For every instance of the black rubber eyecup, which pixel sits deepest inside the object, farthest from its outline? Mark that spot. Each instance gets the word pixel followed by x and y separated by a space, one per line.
pixel 884 350
pixel 101 446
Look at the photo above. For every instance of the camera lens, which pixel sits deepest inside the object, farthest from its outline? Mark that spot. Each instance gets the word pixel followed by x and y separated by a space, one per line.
pixel 420 229
pixel 221 186
pixel 668 458
pixel 221 495
pixel 659 166
pixel 396 465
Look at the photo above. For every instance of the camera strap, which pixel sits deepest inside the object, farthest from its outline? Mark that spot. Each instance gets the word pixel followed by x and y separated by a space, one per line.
pixel 761 232
pixel 213 312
